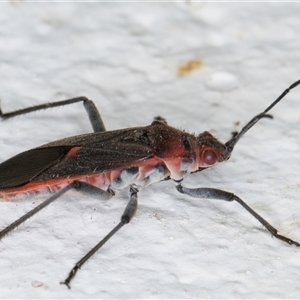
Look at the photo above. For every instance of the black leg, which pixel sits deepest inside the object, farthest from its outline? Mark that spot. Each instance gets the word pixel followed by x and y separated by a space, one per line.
pixel 89 105
pixel 210 193
pixel 125 219
pixel 82 187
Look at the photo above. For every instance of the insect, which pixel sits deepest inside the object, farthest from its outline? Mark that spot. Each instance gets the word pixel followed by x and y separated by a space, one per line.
pixel 103 162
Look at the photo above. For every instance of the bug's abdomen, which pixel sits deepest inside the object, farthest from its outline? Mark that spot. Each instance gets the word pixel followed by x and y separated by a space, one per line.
pixel 140 175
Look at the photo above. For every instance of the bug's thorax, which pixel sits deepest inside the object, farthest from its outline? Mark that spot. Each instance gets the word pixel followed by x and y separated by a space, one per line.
pixel 184 153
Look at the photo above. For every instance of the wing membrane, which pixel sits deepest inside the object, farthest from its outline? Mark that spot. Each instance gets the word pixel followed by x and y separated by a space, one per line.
pixel 27 165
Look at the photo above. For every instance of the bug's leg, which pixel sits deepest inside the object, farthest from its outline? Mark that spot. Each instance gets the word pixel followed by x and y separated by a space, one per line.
pixel 125 219
pixel 92 111
pixel 82 187
pixel 210 193
pixel 160 119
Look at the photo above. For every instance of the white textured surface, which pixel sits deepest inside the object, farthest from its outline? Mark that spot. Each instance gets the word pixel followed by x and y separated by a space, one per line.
pixel 125 57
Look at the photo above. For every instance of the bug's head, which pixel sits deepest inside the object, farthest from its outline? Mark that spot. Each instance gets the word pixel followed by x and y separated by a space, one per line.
pixel 211 151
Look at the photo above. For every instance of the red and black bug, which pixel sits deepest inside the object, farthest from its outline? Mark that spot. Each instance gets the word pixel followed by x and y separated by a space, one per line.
pixel 103 162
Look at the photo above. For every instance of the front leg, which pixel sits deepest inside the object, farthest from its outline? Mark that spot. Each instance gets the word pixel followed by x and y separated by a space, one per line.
pixel 211 193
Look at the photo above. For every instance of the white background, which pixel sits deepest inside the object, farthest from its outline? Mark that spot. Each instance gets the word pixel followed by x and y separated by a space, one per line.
pixel 125 56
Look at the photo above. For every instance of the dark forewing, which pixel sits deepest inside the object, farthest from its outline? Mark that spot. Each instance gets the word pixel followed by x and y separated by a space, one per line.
pixel 94 160
pixel 102 152
pixel 97 152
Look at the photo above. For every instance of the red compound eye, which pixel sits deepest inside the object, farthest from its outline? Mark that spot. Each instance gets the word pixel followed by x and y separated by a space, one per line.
pixel 209 157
